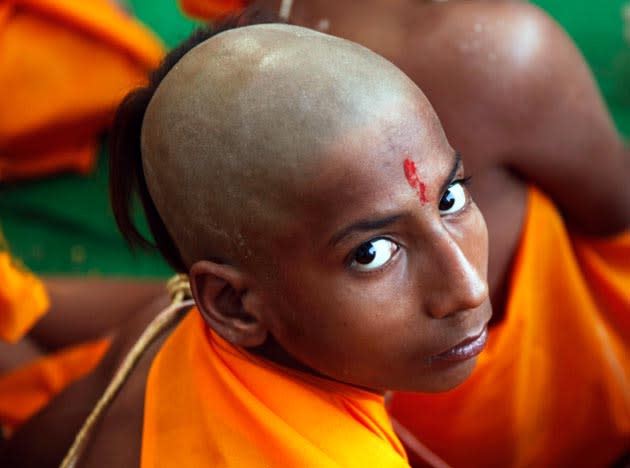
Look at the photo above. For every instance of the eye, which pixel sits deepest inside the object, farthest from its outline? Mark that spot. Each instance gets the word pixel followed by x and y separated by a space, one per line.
pixel 454 199
pixel 373 254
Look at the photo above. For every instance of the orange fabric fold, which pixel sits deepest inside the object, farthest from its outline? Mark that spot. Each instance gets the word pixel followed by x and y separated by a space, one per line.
pixel 24 391
pixel 210 404
pixel 211 10
pixel 553 386
pixel 64 66
pixel 23 300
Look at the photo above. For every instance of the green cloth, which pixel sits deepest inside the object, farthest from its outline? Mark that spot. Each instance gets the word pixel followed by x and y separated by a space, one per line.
pixel 598 28
pixel 64 224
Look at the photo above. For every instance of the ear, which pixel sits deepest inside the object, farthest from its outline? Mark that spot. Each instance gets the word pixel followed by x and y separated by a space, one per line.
pixel 226 304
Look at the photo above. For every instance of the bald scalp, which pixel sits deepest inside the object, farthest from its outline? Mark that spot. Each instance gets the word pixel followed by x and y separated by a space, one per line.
pixel 242 122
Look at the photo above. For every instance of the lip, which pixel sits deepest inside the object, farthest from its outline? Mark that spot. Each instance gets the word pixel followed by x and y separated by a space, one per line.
pixel 465 350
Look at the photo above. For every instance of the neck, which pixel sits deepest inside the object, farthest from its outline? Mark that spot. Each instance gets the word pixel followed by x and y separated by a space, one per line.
pixel 272 351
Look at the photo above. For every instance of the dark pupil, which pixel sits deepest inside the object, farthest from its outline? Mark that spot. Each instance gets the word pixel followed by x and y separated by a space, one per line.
pixel 447 201
pixel 365 253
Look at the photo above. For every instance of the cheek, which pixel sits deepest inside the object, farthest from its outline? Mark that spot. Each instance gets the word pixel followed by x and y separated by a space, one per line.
pixel 472 236
pixel 342 317
pixel 312 308
pixel 297 306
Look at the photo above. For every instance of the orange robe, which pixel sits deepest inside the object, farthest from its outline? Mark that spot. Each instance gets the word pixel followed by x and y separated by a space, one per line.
pixel 553 386
pixel 209 404
pixel 23 300
pixel 26 390
pixel 211 10
pixel 64 66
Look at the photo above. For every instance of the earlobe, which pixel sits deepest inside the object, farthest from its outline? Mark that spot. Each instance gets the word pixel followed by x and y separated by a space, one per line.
pixel 222 297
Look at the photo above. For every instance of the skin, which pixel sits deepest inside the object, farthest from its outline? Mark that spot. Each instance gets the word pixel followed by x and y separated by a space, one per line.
pixel 110 303
pixel 428 295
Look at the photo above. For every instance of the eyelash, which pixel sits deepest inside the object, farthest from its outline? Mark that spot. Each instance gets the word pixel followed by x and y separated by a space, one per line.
pixel 352 254
pixel 465 181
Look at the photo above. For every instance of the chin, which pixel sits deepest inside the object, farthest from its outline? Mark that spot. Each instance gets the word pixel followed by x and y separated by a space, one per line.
pixel 445 377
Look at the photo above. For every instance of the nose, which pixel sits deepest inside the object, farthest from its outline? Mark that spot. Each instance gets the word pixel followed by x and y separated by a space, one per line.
pixel 457 281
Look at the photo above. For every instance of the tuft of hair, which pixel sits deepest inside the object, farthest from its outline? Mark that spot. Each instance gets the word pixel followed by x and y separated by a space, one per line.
pixel 126 174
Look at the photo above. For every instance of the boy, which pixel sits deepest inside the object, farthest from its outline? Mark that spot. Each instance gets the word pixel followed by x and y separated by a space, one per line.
pixel 307 311
pixel 517 99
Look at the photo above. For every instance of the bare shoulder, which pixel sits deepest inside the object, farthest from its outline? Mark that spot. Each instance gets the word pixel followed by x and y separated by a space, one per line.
pixel 514 52
pixel 512 89
pixel 486 37
pixel 499 61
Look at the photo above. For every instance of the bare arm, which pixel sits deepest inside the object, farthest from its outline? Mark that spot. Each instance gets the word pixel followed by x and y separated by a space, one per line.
pixel 87 308
pixel 564 138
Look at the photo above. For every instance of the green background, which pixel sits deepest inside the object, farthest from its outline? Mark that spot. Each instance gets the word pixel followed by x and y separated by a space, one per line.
pixel 64 224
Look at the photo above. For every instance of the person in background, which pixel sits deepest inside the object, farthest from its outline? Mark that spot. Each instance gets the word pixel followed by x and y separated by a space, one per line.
pixel 64 66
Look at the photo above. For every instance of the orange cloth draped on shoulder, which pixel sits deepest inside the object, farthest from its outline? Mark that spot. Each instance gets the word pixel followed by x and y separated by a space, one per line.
pixel 209 404
pixel 64 66
pixel 211 10
pixel 553 386
pixel 23 300
pixel 26 390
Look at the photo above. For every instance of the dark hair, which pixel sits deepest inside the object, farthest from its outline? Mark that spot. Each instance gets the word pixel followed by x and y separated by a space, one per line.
pixel 126 175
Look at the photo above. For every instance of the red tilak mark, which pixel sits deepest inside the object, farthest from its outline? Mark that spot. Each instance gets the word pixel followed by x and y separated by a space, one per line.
pixel 412 177
pixel 423 193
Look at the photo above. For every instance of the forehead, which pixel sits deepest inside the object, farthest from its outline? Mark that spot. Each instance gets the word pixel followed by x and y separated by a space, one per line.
pixel 363 173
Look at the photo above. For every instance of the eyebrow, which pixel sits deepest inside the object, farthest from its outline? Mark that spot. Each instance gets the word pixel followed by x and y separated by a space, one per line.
pixel 365 225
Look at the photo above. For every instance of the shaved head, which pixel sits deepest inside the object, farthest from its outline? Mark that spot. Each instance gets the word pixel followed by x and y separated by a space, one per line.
pixel 242 122
pixel 307 188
